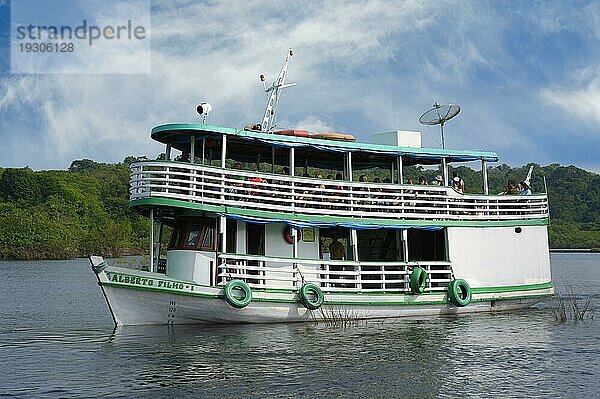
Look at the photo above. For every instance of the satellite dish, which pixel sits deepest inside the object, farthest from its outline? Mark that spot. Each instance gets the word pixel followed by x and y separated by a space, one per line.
pixel 438 115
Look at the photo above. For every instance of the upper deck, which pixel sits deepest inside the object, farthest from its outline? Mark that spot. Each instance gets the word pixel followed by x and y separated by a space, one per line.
pixel 206 183
pixel 181 135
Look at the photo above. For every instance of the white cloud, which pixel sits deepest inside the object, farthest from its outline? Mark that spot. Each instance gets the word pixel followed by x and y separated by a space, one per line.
pixel 580 102
pixel 361 68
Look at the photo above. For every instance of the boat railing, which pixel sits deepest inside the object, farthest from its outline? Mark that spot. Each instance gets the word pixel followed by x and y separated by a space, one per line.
pixel 263 272
pixel 288 194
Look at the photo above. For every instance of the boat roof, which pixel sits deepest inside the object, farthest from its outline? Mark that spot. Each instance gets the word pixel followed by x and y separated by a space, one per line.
pixel 178 135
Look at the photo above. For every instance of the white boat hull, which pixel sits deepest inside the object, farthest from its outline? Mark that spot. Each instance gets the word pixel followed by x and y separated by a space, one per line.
pixel 142 298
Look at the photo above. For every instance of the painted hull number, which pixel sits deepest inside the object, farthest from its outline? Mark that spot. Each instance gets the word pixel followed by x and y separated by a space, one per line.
pixel 172 311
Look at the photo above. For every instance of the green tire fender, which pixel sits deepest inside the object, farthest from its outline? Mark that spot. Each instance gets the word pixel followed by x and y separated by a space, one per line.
pixel 232 297
pixel 459 292
pixel 418 280
pixel 311 296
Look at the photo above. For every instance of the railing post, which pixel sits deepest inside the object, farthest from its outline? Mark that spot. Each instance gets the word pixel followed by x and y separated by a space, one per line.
pixel 152 240
pixel 192 149
pixel 158 242
pixel 294 233
pixel 292 163
pixel 349 168
pixel 167 177
pixel 485 186
pixel 400 166
pixel 192 160
pixel 223 158
pixel 405 245
pixel 445 172
pixel 485 176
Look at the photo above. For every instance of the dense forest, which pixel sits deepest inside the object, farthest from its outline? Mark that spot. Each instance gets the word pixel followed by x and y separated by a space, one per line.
pixel 83 210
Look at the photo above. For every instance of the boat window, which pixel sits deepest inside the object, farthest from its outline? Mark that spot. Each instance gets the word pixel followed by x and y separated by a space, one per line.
pixel 427 245
pixel 199 234
pixel 177 235
pixel 379 245
pixel 208 241
pixel 231 236
pixel 193 236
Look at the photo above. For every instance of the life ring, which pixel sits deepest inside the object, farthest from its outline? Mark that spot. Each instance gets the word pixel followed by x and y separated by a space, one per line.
pixel 459 292
pixel 234 300
pixel 418 280
pixel 287 235
pixel 311 296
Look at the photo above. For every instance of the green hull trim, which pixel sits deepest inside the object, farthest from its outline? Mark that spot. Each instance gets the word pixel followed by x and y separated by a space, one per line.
pixel 326 302
pixel 481 290
pixel 512 288
pixel 147 202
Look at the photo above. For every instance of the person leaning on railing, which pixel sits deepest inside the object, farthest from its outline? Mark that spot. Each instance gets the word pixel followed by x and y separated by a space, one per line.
pixel 511 188
pixel 319 189
pixel 365 201
pixel 526 190
pixel 253 185
pixel 233 189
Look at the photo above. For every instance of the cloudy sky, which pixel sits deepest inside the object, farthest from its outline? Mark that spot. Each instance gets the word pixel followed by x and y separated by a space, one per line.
pixel 526 74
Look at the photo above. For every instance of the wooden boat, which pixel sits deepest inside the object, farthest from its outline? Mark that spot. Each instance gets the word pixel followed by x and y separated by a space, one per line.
pixel 255 245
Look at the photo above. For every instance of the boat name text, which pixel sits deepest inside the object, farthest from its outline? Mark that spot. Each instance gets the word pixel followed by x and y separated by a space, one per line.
pixel 144 281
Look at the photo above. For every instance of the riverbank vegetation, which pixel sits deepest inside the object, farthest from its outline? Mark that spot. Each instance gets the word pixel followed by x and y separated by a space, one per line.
pixel 58 214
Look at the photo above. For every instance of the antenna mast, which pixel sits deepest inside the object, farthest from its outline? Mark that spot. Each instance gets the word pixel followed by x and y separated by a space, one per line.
pixel 270 119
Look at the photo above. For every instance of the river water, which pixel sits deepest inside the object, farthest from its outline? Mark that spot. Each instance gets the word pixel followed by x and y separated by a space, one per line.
pixel 57 340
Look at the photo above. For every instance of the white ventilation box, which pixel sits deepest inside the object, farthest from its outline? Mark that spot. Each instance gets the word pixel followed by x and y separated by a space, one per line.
pixel 399 138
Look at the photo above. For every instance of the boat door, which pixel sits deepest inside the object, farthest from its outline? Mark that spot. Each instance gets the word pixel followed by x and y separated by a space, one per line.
pixel 255 245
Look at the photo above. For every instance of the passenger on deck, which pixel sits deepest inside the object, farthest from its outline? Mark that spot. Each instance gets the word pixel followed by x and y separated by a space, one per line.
pixel 255 186
pixel 234 189
pixel 319 189
pixel 282 183
pixel 364 179
pixel 457 186
pixel 377 180
pixel 184 157
pixel 422 181
pixel 511 188
pixel 303 190
pixel 456 175
pixel 437 181
pixel 339 177
pixel 337 250
pixel 526 189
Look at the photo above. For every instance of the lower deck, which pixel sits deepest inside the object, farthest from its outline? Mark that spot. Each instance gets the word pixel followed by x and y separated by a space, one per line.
pixel 213 250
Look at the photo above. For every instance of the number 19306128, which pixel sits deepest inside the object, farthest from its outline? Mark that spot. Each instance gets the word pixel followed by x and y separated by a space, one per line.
pixel 46 47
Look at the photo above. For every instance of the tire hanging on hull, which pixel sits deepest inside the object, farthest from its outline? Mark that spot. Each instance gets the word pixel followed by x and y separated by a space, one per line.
pixel 418 280
pixel 311 296
pixel 234 300
pixel 459 292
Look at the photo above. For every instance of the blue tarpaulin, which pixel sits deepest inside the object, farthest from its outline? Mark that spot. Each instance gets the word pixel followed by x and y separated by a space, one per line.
pixel 298 224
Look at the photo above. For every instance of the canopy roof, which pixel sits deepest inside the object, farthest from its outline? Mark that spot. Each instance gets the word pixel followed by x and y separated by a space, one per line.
pixel 179 136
